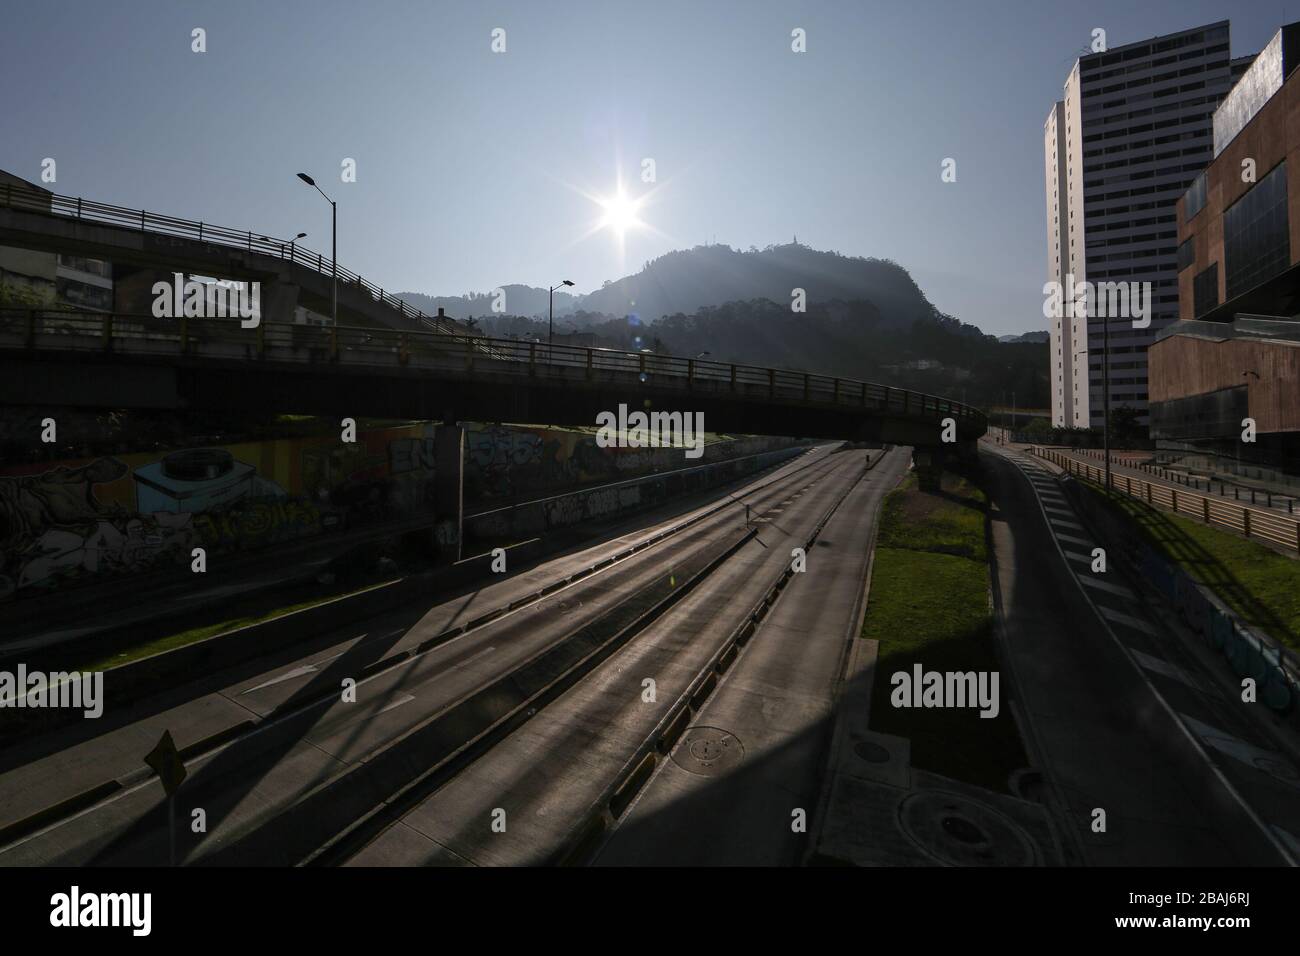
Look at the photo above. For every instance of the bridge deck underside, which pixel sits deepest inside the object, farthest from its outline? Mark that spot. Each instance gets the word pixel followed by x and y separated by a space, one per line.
pixel 428 388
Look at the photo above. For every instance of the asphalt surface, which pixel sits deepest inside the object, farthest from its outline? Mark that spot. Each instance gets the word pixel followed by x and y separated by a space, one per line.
pixel 544 783
pixel 778 702
pixel 294 745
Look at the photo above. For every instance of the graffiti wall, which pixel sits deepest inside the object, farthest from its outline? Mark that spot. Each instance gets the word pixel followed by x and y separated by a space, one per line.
pixel 503 462
pixel 73 522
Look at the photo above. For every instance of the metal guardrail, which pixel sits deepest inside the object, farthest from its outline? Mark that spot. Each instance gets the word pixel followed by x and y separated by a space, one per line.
pixel 1257 496
pixel 1251 522
pixel 18 197
pixel 145 334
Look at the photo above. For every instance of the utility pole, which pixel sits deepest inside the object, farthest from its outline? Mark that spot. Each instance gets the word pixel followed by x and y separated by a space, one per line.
pixel 334 248
pixel 550 324
pixel 1105 391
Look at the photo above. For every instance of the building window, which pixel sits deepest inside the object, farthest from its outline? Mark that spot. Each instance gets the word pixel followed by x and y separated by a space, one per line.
pixel 1256 244
pixel 1186 254
pixel 1195 197
pixel 1205 290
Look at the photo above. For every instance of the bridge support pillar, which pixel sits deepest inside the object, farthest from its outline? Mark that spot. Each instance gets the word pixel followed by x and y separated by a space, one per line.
pixel 448 488
pixel 928 460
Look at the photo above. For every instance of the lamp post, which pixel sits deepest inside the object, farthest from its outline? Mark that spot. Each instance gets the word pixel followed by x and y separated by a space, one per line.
pixel 550 330
pixel 1105 392
pixel 334 246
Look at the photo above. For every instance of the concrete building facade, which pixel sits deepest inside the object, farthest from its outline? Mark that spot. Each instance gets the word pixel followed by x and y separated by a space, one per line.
pixel 1128 136
pixel 1235 353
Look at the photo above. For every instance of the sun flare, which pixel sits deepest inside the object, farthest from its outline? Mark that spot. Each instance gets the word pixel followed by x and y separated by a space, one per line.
pixel 620 212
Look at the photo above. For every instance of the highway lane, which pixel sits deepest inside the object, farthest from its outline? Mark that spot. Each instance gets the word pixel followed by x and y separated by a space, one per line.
pixel 777 701
pixel 545 780
pixel 1096 669
pixel 241 784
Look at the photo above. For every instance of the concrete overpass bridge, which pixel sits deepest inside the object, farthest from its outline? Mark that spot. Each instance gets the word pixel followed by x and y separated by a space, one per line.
pixel 145 247
pixel 61 358
pixel 385 359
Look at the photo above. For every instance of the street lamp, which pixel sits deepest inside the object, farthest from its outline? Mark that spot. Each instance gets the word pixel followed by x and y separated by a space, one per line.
pixel 550 333
pixel 334 246
pixel 301 235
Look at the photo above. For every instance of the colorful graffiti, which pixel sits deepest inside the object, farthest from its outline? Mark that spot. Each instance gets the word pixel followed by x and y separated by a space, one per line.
pixel 81 521
pixel 54 530
pixel 502 462
pixel 78 521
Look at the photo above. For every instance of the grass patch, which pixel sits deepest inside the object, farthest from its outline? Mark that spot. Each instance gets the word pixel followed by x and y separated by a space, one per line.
pixel 193 635
pixel 1260 584
pixel 929 605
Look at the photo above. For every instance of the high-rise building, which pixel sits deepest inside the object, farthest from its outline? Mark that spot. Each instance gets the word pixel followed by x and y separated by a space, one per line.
pixel 1133 129
pixel 1235 355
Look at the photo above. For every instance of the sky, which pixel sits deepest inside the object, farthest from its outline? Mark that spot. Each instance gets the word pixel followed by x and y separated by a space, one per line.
pixel 477 168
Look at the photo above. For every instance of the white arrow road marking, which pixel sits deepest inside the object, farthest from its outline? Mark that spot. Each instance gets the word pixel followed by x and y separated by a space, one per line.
pixel 287 675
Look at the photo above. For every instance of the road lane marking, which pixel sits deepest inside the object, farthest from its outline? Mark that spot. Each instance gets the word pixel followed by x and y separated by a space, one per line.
pixel 1159 666
pixel 1127 620
pixel 1095 582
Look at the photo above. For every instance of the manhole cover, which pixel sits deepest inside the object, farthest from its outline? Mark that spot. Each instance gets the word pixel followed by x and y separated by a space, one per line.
pixel 708 751
pixel 963 832
pixel 871 752
pixel 1278 768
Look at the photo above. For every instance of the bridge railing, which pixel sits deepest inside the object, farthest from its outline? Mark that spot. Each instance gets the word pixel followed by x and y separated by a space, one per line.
pixel 136 333
pixel 29 200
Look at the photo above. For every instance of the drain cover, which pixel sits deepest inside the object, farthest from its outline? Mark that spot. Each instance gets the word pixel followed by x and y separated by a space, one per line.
pixel 963 832
pixel 708 751
pixel 871 752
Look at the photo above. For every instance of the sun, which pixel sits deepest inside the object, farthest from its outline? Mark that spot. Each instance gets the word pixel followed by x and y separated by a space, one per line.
pixel 620 212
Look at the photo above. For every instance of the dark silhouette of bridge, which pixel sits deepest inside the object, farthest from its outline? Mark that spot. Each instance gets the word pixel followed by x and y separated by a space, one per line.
pixel 385 359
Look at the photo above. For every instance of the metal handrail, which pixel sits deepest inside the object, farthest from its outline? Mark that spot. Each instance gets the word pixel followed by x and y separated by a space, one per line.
pixel 1210 510
pixel 147 334
pixel 19 197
